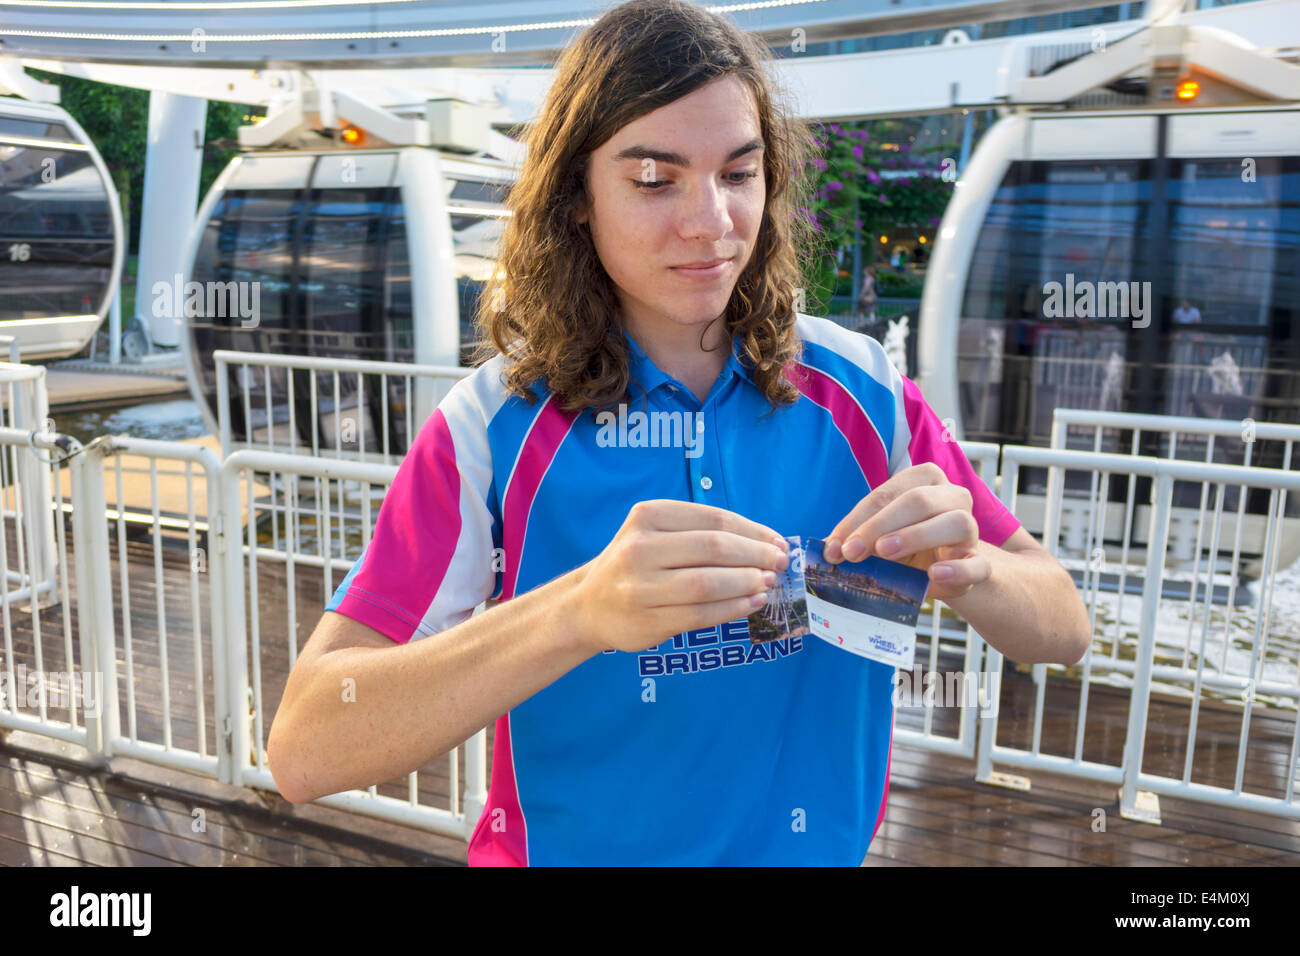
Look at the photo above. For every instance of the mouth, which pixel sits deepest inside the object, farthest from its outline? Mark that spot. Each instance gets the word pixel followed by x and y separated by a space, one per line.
pixel 711 271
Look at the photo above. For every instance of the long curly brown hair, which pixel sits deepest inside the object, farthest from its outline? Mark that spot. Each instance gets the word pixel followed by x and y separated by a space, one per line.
pixel 550 307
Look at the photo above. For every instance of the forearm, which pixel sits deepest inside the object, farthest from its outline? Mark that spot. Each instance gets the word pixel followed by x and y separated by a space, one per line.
pixel 1028 608
pixel 414 702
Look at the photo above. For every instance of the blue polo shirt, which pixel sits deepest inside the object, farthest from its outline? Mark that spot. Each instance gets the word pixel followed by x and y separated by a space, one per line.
pixel 705 749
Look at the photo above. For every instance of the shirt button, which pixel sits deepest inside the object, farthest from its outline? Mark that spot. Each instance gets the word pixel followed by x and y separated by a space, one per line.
pixel 706 482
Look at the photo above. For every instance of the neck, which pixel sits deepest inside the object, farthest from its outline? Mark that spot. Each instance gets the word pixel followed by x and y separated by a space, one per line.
pixel 677 350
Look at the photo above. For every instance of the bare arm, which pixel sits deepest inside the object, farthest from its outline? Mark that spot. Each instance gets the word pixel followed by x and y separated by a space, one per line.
pixel 1028 607
pixel 415 701
pixel 1018 597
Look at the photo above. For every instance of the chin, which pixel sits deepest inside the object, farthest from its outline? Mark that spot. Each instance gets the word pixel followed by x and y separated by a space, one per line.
pixel 702 308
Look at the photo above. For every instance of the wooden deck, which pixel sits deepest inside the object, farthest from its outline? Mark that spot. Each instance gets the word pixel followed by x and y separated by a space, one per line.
pixel 55 810
pixel 79 386
pixel 56 807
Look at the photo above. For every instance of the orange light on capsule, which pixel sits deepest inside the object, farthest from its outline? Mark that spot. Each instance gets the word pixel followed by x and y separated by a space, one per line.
pixel 352 136
pixel 1187 90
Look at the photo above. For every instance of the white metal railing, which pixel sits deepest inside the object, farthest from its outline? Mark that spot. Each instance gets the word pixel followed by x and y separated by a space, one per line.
pixel 959 636
pixel 1195 677
pixel 169 617
pixel 24 405
pixel 1204 439
pixel 337 538
pixel 176 654
pixel 359 410
pixel 364 406
pixel 1247 432
pixel 158 624
pixel 48 685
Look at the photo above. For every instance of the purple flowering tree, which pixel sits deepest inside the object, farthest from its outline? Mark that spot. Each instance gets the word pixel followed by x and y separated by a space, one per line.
pixel 854 202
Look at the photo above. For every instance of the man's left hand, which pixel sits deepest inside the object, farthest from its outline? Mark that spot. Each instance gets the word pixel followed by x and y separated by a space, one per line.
pixel 919 518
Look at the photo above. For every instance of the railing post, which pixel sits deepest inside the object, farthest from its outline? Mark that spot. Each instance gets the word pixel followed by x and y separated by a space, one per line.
pixel 986 738
pixel 29 414
pixel 476 781
pixel 234 725
pixel 223 405
pixel 92 559
pixel 48 564
pixel 1157 535
pixel 219 599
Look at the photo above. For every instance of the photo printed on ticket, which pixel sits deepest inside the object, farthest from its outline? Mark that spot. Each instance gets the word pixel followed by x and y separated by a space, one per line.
pixel 866 607
pixel 786 612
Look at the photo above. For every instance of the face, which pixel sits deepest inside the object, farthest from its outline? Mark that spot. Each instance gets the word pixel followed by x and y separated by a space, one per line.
pixel 679 186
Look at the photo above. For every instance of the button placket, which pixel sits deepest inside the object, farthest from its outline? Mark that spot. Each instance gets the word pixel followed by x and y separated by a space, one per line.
pixel 705 469
pixel 713 447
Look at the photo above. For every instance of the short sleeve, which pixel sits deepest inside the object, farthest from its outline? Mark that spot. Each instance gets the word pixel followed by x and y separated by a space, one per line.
pixel 920 436
pixel 430 562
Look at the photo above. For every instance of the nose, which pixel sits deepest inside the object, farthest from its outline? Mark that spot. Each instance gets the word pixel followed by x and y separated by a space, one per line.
pixel 705 214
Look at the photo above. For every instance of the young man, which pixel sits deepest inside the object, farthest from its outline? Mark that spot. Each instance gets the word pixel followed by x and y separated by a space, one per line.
pixel 635 722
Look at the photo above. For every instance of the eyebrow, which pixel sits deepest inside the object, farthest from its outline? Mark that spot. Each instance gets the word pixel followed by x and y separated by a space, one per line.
pixel 677 159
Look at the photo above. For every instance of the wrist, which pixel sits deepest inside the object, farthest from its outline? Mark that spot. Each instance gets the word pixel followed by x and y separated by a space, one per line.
pixel 577 624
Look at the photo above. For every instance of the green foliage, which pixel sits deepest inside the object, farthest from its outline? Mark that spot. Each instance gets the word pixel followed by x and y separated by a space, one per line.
pixel 854 202
pixel 116 118
pixel 892 284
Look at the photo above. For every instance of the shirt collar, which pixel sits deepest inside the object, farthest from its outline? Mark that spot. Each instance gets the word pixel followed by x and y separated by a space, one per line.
pixel 650 376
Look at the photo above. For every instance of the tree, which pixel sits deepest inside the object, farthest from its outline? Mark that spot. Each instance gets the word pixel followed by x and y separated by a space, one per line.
pixel 855 199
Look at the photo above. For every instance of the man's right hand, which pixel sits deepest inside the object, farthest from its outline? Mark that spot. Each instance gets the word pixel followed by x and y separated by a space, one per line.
pixel 675 566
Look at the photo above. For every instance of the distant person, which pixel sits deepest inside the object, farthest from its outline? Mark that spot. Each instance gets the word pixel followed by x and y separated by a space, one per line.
pixel 1186 312
pixel 867 297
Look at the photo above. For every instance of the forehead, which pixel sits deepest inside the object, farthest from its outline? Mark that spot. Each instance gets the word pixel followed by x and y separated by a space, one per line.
pixel 719 121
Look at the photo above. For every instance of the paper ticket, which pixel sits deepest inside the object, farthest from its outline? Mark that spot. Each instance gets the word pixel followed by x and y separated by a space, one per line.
pixel 866 607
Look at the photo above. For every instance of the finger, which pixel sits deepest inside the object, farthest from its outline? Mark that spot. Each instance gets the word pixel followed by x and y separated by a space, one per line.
pixel 951 529
pixel 708 549
pixel 665 514
pixel 959 574
pixel 683 586
pixel 957 552
pixel 693 617
pixel 911 507
pixel 880 496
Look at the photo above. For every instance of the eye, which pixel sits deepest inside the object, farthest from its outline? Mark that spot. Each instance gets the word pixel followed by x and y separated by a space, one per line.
pixel 654 185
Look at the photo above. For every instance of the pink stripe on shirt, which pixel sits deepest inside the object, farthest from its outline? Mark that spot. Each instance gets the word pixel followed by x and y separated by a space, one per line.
pixel 539 448
pixel 501 837
pixel 849 419
pixel 926 443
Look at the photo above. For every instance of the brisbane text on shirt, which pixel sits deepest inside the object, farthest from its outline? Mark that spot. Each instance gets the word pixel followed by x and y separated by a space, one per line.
pixel 723 645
